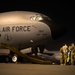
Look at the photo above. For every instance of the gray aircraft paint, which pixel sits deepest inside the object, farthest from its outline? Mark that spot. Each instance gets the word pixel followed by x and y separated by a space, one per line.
pixel 17 29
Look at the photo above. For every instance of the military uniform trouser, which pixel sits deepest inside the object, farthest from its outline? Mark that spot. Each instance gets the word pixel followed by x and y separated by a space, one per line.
pixel 61 58
pixel 65 59
pixel 72 59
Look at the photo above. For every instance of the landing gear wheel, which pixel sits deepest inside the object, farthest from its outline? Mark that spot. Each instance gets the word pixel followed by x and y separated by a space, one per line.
pixel 14 58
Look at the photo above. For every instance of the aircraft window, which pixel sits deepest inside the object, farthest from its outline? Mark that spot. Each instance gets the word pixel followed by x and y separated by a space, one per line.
pixel 33 18
pixel 36 18
pixel 45 17
pixel 40 17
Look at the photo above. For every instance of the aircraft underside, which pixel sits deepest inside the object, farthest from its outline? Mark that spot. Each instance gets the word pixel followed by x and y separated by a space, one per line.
pixel 32 59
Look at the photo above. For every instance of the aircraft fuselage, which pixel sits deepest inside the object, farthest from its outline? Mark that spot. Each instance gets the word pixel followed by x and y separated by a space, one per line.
pixel 20 30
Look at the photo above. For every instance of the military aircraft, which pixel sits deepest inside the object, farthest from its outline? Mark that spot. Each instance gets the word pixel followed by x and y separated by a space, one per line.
pixel 24 29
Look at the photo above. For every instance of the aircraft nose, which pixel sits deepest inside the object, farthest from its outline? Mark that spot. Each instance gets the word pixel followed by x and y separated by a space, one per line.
pixel 57 30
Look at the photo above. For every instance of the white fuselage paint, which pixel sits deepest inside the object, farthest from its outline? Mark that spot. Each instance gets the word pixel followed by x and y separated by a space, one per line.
pixel 16 29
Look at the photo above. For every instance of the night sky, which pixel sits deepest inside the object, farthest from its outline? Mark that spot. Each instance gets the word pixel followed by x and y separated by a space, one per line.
pixel 61 12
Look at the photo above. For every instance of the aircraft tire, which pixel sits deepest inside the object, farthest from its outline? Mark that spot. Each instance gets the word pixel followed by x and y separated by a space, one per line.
pixel 14 58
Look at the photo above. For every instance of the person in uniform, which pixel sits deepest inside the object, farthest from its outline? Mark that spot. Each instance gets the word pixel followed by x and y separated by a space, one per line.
pixel 63 54
pixel 72 48
pixel 69 56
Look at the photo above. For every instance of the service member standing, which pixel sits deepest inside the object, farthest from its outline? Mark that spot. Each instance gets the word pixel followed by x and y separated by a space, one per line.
pixel 63 55
pixel 72 48
pixel 69 56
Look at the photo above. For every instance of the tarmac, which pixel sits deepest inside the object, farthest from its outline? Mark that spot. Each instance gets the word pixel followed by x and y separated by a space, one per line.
pixel 35 69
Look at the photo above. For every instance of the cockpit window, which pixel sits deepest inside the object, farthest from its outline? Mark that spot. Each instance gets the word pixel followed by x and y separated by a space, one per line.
pixel 36 18
pixel 45 17
pixel 39 17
